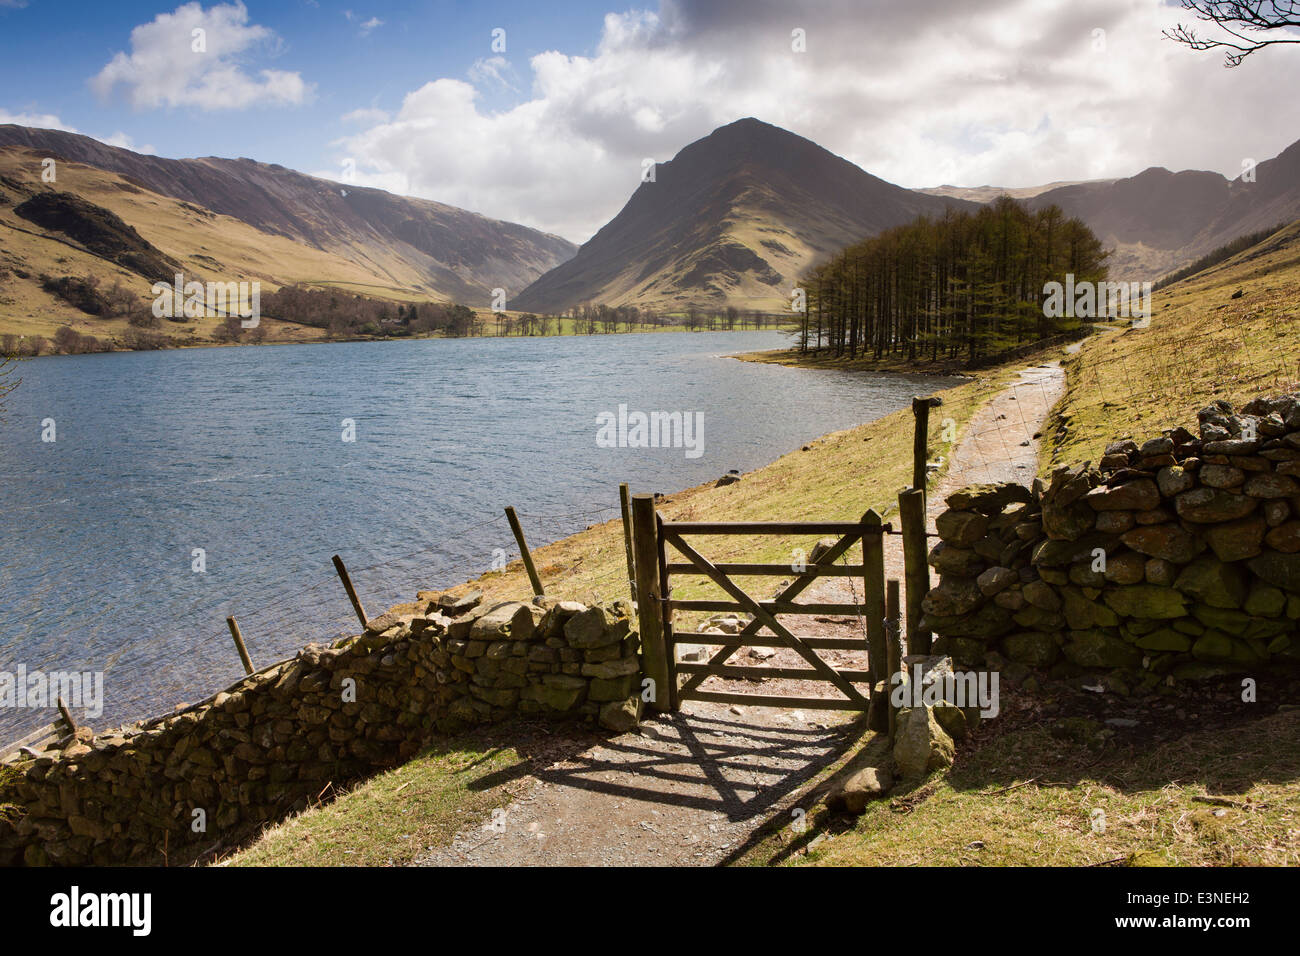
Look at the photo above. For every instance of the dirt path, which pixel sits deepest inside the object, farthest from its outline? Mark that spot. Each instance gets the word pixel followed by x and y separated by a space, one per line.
pixel 687 789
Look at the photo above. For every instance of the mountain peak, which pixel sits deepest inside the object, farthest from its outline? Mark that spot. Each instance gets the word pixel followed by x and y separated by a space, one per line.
pixel 735 218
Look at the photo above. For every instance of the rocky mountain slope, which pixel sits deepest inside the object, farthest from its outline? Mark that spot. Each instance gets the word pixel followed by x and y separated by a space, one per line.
pixel 734 218
pixel 408 245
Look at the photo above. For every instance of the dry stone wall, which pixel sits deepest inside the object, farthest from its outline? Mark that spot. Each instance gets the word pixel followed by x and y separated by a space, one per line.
pixel 1175 558
pixel 269 744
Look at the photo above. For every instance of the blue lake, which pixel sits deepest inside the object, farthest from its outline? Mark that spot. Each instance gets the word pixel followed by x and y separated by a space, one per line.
pixel 240 452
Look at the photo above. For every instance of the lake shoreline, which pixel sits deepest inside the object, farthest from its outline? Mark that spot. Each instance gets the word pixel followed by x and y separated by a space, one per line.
pixel 385 338
pixel 257 453
pixel 792 358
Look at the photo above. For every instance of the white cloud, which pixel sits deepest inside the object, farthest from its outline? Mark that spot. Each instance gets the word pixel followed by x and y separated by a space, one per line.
pixel 195 57
pixel 50 121
pixel 370 25
pixel 1008 92
pixel 37 120
pixel 496 70
pixel 124 141
pixel 365 115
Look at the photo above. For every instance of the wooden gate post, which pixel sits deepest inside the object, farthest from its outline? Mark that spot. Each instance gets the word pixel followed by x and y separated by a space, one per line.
pixel 666 613
pixel 625 506
pixel 649 609
pixel 894 644
pixel 873 597
pixel 911 514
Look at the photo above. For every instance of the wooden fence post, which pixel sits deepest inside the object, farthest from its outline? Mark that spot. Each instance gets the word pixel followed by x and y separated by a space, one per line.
pixel 352 592
pixel 911 514
pixel 920 439
pixel 67 716
pixel 239 645
pixel 649 610
pixel 523 551
pixel 894 644
pixel 625 505
pixel 873 594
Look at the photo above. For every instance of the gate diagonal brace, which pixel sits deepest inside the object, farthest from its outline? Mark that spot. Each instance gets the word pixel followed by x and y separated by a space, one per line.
pixel 763 618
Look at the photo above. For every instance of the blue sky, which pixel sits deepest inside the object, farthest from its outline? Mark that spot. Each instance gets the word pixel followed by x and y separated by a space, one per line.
pixel 553 131
pixel 49 50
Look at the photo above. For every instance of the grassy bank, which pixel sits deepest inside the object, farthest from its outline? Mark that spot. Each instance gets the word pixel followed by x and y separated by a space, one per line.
pixel 202 332
pixel 1035 797
pixel 391 818
pixel 1202 344
pixel 827 360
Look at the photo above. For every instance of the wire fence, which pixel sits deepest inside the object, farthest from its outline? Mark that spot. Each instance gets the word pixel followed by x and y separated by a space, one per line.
pixel 298 608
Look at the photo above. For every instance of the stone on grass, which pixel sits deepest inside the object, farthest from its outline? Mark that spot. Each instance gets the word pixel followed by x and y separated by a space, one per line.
pixel 921 745
pixel 854 792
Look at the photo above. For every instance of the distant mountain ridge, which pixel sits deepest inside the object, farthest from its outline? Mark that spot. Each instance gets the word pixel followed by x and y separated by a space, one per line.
pixel 461 255
pixel 1158 220
pixel 733 219
pixel 989 193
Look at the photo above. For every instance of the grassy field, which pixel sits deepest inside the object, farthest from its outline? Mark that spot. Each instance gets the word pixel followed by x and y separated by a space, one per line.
pixel 1034 798
pixel 390 818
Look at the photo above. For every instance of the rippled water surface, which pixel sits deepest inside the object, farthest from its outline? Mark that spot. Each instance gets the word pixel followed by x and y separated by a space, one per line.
pixel 239 452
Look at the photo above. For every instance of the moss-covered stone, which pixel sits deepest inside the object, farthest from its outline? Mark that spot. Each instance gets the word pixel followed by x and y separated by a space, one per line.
pixel 1145 600
pixel 1212 582
pixel 1164 639
pixel 1101 648
pixel 1035 648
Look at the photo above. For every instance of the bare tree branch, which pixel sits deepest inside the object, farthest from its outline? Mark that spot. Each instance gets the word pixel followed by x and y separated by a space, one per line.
pixel 1251 24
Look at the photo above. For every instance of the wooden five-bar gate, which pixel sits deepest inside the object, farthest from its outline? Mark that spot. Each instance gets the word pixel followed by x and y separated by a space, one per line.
pixel 654 570
pixel 648 538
